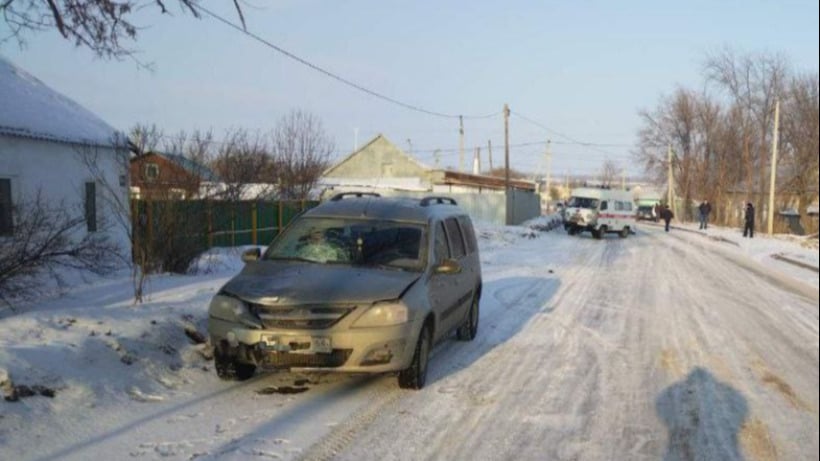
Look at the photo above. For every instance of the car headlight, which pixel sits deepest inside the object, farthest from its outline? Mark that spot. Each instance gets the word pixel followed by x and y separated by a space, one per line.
pixel 383 315
pixel 231 309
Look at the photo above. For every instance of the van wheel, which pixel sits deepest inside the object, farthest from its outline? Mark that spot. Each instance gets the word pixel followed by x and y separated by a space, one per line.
pixel 624 233
pixel 228 369
pixel 598 233
pixel 415 376
pixel 469 330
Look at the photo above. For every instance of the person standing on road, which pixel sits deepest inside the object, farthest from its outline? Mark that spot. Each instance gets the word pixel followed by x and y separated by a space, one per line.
pixel 704 209
pixel 666 215
pixel 749 220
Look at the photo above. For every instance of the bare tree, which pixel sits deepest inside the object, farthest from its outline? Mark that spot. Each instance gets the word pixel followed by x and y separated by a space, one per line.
pixel 103 26
pixel 753 83
pixel 48 239
pixel 302 151
pixel 609 173
pixel 800 130
pixel 245 159
pixel 674 123
pixel 122 214
pixel 144 138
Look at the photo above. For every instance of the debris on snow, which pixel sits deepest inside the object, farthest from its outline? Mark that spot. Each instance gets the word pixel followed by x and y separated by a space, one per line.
pixel 6 386
pixel 194 335
pixel 281 390
pixel 23 391
pixel 140 396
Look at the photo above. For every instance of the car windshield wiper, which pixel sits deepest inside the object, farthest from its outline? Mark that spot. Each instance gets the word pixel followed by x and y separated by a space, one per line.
pixel 382 266
pixel 291 258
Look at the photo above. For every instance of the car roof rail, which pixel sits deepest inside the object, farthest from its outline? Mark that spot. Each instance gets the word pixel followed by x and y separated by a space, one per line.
pixel 342 195
pixel 426 201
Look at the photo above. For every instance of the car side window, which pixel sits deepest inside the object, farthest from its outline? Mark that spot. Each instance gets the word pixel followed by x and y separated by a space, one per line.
pixel 604 205
pixel 469 234
pixel 454 238
pixel 440 250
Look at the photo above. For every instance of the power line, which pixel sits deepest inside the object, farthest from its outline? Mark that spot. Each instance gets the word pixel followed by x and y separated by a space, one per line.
pixel 591 145
pixel 535 143
pixel 335 76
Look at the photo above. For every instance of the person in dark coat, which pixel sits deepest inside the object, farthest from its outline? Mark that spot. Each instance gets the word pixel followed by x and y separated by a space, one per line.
pixel 704 209
pixel 749 220
pixel 666 215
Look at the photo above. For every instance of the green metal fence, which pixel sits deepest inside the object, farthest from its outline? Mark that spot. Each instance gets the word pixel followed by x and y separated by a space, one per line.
pixel 215 223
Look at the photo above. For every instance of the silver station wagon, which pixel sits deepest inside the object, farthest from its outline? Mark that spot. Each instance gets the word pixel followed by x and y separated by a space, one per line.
pixel 360 283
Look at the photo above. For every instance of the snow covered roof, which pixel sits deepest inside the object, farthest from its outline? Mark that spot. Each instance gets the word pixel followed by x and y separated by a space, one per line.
pixel 192 167
pixel 33 110
pixel 378 139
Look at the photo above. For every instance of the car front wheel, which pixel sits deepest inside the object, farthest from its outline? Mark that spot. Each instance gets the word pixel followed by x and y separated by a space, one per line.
pixel 415 376
pixel 228 369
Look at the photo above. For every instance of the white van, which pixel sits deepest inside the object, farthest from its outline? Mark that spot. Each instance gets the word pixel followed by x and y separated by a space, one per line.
pixel 600 211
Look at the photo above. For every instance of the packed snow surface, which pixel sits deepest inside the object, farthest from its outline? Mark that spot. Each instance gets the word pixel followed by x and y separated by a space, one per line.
pixel 680 346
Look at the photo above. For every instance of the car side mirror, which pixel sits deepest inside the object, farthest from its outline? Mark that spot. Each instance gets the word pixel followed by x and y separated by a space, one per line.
pixel 251 255
pixel 448 266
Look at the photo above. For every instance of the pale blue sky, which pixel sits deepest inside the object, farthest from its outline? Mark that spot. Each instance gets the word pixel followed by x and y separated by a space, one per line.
pixel 581 68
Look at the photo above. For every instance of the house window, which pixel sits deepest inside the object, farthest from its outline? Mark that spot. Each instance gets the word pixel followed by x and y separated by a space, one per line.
pixel 6 222
pixel 151 172
pixel 91 206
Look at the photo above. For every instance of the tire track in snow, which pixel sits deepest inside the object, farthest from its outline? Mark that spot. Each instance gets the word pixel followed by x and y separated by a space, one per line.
pixel 385 399
pixel 740 326
pixel 484 389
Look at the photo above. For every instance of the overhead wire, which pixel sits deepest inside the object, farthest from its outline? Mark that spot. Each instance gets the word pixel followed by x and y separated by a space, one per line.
pixel 591 145
pixel 336 77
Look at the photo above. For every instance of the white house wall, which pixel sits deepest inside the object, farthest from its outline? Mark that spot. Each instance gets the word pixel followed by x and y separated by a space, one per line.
pixel 56 171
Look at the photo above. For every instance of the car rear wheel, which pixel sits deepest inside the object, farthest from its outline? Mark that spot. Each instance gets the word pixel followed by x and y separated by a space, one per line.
pixel 228 369
pixel 469 330
pixel 415 376
pixel 624 233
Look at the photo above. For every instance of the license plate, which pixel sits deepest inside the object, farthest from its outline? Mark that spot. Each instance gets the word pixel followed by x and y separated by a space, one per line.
pixel 298 344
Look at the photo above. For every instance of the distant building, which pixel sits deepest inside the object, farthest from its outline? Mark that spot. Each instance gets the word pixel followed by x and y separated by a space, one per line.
pixel 156 175
pixel 382 167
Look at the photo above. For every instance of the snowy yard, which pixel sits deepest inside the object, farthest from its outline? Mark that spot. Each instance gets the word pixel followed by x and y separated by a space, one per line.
pixel 686 345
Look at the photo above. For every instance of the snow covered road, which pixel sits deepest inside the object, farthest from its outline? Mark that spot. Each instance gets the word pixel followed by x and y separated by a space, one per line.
pixel 653 347
pixel 634 349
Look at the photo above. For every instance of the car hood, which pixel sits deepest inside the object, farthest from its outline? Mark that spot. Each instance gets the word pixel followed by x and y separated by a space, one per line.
pixel 278 283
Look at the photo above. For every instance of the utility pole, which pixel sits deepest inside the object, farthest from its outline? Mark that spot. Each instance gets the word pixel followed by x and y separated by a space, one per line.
pixel 669 193
pixel 460 144
pixel 477 161
pixel 409 146
pixel 437 156
pixel 490 149
pixel 548 153
pixel 507 194
pixel 770 217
